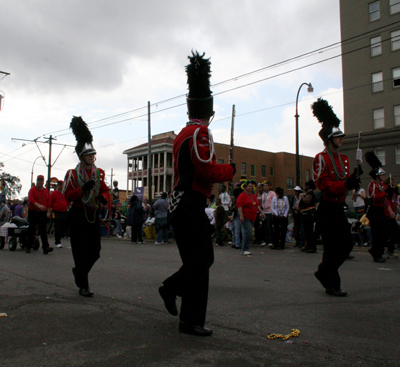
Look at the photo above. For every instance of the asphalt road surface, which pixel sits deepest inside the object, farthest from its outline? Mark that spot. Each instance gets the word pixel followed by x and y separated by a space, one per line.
pixel 125 323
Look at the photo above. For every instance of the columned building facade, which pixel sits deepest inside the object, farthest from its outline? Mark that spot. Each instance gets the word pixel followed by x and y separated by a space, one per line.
pixel 258 165
pixel 162 165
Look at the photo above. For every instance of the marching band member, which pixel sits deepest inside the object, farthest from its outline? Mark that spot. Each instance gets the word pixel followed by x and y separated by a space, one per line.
pixel 331 171
pixel 195 171
pixel 84 186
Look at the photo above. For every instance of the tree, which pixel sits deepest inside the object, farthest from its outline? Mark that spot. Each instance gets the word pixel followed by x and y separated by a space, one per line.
pixel 10 186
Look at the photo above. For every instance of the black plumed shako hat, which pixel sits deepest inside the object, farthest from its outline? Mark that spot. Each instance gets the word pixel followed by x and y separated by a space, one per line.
pixel 330 122
pixel 199 100
pixel 83 136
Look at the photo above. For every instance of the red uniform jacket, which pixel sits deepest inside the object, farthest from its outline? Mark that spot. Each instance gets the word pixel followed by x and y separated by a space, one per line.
pixel 190 172
pixel 58 202
pixel 38 196
pixel 333 189
pixel 376 191
pixel 73 190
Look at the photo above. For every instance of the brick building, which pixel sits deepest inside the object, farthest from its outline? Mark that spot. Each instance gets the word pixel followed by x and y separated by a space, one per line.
pixel 260 165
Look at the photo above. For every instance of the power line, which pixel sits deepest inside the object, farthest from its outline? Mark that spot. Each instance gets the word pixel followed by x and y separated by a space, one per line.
pixel 349 40
pixel 307 54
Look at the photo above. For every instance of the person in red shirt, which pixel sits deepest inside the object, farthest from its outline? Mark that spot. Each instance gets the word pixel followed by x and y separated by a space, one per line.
pixel 59 205
pixel 248 207
pixel 38 201
pixel 196 170
pixel 331 171
pixel 84 186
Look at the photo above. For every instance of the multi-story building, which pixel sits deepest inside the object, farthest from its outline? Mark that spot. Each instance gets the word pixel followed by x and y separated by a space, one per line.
pixel 259 165
pixel 370 32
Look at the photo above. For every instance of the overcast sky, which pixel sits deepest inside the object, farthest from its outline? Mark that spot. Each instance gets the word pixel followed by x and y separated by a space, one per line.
pixel 98 59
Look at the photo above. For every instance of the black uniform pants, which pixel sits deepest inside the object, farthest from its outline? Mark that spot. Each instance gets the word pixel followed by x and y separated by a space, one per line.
pixel 60 225
pixel 336 239
pixel 193 237
pixel 37 219
pixel 378 223
pixel 85 242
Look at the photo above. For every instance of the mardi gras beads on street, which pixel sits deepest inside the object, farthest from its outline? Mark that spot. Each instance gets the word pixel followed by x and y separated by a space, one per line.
pixel 295 333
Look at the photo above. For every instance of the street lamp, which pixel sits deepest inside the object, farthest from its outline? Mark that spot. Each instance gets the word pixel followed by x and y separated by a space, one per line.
pixel 310 89
pixel 33 166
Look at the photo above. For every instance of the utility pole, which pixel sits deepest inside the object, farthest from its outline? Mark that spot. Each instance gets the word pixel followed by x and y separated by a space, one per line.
pixel 49 164
pixel 230 183
pixel 149 160
pixel 111 184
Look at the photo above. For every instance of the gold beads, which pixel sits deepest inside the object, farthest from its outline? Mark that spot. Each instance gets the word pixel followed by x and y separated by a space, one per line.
pixel 295 333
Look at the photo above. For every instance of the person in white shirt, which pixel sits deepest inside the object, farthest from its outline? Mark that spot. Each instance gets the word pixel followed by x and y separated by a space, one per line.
pixel 225 198
pixel 280 210
pixel 358 198
pixel 298 228
pixel 266 200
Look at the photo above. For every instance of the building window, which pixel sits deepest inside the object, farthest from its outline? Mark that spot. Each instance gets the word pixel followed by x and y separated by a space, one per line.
pixel 397 154
pixel 243 168
pixel 394 6
pixel 220 161
pixel 252 170
pixel 396 110
pixel 263 171
pixel 376 46
pixel 290 183
pixel 377 82
pixel 381 154
pixel 396 77
pixel 271 171
pixel 395 40
pixel 379 118
pixel 374 11
pixel 308 175
pixel 169 160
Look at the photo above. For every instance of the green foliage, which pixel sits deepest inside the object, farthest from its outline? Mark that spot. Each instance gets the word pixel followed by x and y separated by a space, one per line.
pixel 9 185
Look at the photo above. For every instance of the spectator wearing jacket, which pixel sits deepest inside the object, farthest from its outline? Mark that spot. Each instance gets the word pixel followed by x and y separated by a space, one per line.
pixel 161 212
pixel 135 219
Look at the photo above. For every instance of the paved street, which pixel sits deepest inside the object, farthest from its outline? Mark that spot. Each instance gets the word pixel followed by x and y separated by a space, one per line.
pixel 125 323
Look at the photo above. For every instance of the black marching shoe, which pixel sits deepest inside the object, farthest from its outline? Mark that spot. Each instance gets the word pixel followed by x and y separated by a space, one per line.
pixel 86 292
pixel 194 330
pixel 377 259
pixel 321 279
pixel 169 300
pixel 47 250
pixel 336 292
